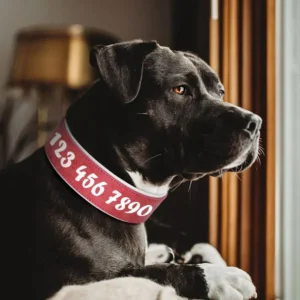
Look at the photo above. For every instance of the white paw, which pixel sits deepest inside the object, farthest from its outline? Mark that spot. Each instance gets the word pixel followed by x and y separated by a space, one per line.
pixel 158 253
pixel 207 252
pixel 228 283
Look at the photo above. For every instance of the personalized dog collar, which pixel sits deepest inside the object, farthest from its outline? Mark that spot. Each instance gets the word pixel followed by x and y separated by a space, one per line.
pixel 95 183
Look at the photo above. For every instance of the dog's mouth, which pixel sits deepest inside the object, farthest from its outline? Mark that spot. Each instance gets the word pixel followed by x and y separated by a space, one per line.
pixel 241 164
pixel 189 176
pixel 238 169
pixel 244 161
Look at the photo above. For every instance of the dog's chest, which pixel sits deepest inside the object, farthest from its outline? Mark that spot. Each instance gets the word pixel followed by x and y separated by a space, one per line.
pixel 105 243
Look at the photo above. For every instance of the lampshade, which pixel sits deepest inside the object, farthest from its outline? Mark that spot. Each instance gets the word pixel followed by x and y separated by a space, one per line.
pixel 55 55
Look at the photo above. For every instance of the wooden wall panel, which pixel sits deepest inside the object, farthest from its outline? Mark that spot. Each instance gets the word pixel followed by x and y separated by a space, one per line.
pixel 233 97
pixel 270 148
pixel 246 102
pixel 225 78
pixel 214 183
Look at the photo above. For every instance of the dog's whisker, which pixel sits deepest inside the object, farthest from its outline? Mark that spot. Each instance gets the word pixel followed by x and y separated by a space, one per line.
pixel 239 178
pixel 190 193
pixel 177 185
pixel 190 185
pixel 151 158
pixel 259 160
pixel 261 151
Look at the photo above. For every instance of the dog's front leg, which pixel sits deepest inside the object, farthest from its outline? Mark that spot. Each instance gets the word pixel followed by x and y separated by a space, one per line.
pixel 202 281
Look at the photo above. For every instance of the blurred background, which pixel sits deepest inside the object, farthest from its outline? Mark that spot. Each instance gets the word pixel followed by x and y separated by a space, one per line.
pixel 254 46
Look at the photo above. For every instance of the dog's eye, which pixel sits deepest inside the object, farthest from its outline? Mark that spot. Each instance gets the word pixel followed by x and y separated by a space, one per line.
pixel 222 93
pixel 180 90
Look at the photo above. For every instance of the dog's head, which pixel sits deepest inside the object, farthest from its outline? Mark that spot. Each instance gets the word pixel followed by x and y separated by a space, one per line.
pixel 174 119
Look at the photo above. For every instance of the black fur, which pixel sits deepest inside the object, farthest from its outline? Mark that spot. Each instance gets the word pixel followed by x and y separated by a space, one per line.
pixel 130 115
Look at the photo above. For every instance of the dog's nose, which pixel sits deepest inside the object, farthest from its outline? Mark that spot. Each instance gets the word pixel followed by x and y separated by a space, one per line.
pixel 253 124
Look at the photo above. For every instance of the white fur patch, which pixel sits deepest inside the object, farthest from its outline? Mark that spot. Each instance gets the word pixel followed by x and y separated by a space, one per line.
pixel 148 187
pixel 208 252
pixel 128 288
pixel 228 283
pixel 157 253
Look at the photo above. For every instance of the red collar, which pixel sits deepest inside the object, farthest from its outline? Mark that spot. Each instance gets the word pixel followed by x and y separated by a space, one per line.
pixel 95 183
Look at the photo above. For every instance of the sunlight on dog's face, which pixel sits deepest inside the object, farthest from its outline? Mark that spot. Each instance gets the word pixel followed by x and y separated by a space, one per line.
pixel 196 132
pixel 175 121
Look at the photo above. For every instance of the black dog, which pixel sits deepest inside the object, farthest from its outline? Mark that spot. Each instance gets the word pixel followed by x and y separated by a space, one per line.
pixel 155 118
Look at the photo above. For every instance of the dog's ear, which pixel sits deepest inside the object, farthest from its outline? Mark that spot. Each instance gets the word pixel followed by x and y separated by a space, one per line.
pixel 121 66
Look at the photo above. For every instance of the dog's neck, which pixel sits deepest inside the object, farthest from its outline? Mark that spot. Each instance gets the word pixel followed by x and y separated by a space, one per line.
pixel 93 124
pixel 147 186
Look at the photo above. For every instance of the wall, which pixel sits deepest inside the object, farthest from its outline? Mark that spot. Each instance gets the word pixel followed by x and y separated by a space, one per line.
pixel 288 151
pixel 127 19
